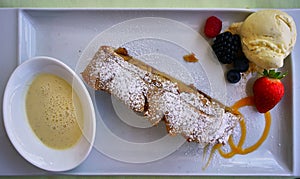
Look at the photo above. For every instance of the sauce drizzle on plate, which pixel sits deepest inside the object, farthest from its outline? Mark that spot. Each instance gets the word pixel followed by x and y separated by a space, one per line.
pixel 238 149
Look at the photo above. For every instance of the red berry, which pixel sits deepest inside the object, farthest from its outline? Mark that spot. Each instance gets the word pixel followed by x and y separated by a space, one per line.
pixel 212 27
pixel 268 91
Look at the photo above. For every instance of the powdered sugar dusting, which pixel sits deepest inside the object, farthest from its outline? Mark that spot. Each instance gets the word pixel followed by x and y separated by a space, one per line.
pixel 145 90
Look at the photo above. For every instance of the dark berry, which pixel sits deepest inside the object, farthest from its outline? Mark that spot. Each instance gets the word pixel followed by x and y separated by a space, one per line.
pixel 233 76
pixel 236 40
pixel 241 64
pixel 226 47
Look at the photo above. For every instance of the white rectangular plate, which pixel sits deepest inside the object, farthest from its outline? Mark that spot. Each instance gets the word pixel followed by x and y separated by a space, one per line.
pixel 64 34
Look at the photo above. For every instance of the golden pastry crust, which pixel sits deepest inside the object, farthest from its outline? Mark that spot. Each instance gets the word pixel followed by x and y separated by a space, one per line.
pixel 147 91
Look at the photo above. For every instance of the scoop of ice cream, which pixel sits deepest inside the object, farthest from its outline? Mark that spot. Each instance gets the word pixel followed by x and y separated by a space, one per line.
pixel 267 36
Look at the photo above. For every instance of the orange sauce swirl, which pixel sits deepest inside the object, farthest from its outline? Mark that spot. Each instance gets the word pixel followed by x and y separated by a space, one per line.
pixel 238 149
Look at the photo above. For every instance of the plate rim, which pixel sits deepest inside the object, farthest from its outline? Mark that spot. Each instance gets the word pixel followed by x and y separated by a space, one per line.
pixel 295 86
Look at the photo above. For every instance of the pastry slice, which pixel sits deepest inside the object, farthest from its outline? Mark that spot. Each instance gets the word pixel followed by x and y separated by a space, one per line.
pixel 158 96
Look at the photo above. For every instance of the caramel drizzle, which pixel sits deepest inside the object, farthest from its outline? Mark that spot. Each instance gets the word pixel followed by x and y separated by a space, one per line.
pixel 238 149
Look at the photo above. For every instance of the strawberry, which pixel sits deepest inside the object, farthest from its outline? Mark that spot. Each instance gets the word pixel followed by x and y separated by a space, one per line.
pixel 212 26
pixel 268 90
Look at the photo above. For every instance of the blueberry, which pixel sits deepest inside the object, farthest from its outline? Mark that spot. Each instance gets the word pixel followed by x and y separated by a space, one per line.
pixel 233 76
pixel 241 64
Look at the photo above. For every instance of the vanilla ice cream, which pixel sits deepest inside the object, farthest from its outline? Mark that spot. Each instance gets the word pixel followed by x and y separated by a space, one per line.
pixel 267 36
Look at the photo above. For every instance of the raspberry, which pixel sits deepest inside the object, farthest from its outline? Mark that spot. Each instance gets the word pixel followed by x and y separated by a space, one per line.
pixel 212 27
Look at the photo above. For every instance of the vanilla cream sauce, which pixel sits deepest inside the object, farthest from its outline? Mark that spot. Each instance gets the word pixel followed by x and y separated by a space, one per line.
pixel 54 111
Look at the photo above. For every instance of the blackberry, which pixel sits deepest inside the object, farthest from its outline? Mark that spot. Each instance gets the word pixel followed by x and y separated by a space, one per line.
pixel 226 47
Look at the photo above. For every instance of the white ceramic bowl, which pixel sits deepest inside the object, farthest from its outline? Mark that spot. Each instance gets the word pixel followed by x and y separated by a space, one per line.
pixel 16 123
